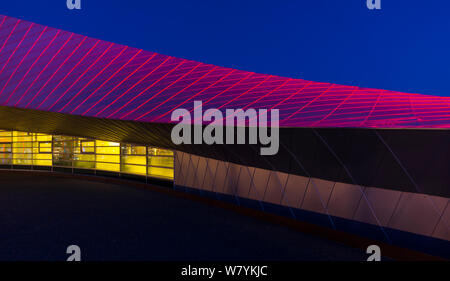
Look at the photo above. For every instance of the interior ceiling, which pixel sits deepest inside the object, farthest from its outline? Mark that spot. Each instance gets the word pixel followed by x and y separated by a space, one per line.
pixel 73 125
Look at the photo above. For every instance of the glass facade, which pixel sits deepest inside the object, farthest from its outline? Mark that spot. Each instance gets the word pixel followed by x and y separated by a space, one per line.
pixel 35 149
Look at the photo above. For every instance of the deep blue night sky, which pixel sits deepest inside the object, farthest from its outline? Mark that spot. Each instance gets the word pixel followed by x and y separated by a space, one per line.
pixel 404 46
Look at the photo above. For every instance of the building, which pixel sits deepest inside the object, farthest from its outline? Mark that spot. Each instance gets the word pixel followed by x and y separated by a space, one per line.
pixel 364 161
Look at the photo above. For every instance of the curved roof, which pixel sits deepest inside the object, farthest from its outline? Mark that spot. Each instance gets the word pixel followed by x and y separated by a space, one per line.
pixel 43 68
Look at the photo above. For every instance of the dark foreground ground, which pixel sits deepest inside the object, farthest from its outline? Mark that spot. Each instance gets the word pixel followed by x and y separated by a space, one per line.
pixel 40 216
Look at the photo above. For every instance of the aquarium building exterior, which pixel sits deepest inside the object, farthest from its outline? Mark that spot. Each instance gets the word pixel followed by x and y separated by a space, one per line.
pixel 369 162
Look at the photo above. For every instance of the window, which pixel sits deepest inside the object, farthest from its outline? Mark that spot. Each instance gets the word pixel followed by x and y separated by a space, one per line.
pixel 5 153
pixel 133 159
pixel 87 146
pixel 5 147
pixel 45 147
pixel 107 156
pixel 160 162
pixel 36 149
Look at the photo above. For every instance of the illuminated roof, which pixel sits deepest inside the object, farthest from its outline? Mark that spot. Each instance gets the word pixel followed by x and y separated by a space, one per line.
pixel 43 68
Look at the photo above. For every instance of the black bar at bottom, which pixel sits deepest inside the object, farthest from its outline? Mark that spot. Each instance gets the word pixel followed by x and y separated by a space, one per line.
pixel 245 270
